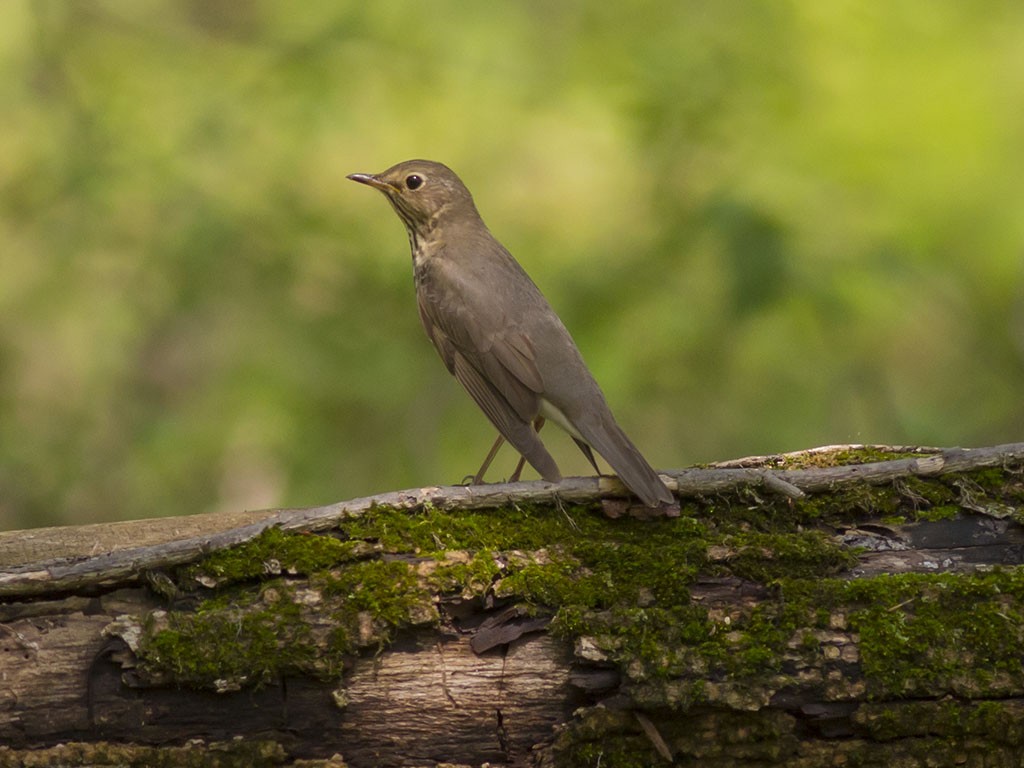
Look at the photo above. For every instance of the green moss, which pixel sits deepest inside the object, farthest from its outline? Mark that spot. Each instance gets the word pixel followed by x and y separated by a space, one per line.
pixel 914 498
pixel 850 504
pixel 236 753
pixel 926 633
pixel 237 639
pixel 388 594
pixel 465 574
pixel 704 736
pixel 272 552
pixel 622 752
pixel 518 527
pixel 998 722
pixel 768 557
pixel 907 734
pixel 934 514
pixel 845 457
pixel 923 491
pixel 227 645
pixel 607 738
pixel 990 479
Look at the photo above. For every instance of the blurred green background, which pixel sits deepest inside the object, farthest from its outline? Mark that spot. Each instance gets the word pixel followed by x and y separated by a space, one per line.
pixel 769 225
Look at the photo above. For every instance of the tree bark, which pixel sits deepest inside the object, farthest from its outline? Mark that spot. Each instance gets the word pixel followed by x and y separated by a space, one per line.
pixel 850 605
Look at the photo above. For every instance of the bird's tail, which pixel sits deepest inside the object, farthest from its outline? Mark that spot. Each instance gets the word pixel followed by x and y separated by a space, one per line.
pixel 608 439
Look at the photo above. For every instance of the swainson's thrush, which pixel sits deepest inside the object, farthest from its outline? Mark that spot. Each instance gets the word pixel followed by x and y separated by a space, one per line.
pixel 497 333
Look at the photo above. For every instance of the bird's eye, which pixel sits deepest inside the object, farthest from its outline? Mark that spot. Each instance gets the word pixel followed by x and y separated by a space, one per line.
pixel 413 181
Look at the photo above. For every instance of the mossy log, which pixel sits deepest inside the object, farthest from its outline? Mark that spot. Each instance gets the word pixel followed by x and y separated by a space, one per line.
pixel 844 606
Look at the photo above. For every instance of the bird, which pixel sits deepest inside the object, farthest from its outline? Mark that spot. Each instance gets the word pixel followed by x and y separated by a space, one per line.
pixel 497 333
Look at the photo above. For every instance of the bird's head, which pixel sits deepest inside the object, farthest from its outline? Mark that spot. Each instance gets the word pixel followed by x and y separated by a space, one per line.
pixel 422 192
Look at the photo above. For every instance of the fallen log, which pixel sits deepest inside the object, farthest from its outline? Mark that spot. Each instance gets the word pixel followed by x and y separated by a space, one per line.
pixel 856 604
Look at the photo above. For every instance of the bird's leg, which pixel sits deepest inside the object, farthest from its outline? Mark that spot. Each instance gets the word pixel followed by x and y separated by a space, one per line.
pixel 589 454
pixel 514 477
pixel 537 424
pixel 478 478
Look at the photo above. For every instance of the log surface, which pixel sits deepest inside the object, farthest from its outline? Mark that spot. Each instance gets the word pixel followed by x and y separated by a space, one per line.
pixel 473 671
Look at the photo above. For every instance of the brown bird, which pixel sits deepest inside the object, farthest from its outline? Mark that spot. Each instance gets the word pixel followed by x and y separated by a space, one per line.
pixel 498 335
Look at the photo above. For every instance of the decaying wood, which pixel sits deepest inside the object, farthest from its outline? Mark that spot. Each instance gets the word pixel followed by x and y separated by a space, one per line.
pixel 480 678
pixel 429 696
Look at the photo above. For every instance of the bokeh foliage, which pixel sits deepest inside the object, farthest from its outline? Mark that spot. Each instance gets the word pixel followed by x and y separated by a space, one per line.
pixel 770 225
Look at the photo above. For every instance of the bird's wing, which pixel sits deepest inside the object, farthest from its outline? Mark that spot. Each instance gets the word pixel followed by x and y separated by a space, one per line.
pixel 506 358
pixel 498 409
pixel 500 354
pixel 513 419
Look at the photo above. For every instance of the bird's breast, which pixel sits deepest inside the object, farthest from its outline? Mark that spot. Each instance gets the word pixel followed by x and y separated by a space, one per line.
pixel 423 252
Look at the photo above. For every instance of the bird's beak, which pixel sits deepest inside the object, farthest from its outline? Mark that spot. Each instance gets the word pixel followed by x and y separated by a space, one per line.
pixel 370 180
